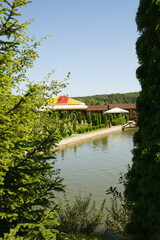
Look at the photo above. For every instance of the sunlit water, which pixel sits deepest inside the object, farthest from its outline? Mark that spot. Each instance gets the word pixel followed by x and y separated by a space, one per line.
pixel 95 165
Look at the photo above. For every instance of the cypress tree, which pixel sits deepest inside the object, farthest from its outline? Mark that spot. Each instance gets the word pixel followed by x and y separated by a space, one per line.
pixel 89 118
pixel 142 188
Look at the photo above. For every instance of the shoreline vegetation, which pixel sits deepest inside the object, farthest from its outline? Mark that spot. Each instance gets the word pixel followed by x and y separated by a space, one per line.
pixel 79 138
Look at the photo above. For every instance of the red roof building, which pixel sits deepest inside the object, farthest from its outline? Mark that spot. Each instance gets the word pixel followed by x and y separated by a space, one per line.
pixel 131 107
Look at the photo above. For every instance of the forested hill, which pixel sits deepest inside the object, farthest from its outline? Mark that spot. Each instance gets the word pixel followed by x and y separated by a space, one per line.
pixel 113 98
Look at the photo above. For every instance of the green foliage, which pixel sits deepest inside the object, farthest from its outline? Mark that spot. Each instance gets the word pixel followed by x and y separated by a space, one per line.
pixel 118 121
pixel 100 118
pixel 82 216
pixel 84 119
pixel 81 130
pixel 113 98
pixel 92 102
pixel 39 230
pixel 89 118
pixel 72 117
pixel 28 179
pixel 63 115
pixel 79 117
pixel 74 125
pixel 118 215
pixel 143 178
pixel 126 117
pixel 104 119
pixel 69 132
pixel 95 120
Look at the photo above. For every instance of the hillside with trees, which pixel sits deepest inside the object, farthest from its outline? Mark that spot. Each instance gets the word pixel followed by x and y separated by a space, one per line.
pixel 103 99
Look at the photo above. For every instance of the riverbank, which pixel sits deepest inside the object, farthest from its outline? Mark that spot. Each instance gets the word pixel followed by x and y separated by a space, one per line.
pixel 78 138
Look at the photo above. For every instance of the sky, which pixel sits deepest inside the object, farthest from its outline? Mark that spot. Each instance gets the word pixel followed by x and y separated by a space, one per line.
pixel 92 39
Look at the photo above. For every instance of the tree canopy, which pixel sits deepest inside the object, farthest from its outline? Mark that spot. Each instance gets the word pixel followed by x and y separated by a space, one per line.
pixel 28 179
pixel 103 99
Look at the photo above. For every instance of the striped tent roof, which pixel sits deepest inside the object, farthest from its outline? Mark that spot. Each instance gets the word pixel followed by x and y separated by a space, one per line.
pixel 63 100
pixel 63 103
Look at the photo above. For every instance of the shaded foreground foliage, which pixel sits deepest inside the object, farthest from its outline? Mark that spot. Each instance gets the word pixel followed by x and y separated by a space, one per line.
pixel 82 216
pixel 143 178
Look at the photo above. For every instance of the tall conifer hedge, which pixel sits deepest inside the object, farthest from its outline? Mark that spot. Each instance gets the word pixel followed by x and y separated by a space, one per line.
pixel 142 188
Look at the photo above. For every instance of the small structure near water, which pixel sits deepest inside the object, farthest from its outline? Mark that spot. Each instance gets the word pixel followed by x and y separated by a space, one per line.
pixel 129 124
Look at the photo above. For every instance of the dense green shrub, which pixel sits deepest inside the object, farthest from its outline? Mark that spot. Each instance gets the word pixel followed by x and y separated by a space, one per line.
pixel 63 115
pixel 89 118
pixel 82 216
pixel 126 117
pixel 143 178
pixel 100 118
pixel 79 117
pixel 69 132
pixel 90 128
pixel 81 130
pixel 87 129
pixel 72 116
pixel 118 214
pixel 118 121
pixel 84 119
pixel 74 125
pixel 104 119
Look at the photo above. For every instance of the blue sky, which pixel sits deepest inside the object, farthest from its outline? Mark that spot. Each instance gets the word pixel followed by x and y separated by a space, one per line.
pixel 92 39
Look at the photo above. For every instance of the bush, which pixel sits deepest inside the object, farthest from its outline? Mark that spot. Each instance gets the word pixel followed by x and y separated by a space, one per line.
pixel 118 121
pixel 74 125
pixel 82 216
pixel 90 128
pixel 64 133
pixel 126 117
pixel 81 130
pixel 69 132
pixel 87 129
pixel 89 118
pixel 104 120
pixel 118 215
pixel 84 119
pixel 79 117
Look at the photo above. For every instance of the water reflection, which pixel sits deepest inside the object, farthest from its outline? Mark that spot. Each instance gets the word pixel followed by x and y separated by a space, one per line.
pixel 95 165
pixel 75 149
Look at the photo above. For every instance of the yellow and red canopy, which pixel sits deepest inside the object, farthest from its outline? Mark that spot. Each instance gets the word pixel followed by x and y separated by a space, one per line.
pixel 63 99
pixel 63 103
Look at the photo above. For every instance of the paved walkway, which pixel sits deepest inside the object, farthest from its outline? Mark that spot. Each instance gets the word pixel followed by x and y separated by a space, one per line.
pixel 88 136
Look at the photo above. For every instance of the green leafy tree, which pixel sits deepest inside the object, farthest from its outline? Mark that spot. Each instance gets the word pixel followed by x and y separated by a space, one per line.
pixel 100 118
pixel 74 125
pixel 28 179
pixel 143 178
pixel 79 117
pixel 89 118
pixel 92 102
pixel 104 119
pixel 84 119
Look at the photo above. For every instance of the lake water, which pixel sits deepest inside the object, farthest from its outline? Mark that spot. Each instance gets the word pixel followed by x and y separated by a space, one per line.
pixel 95 165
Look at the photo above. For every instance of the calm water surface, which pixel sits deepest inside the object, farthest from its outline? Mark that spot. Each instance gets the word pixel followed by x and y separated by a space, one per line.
pixel 95 165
